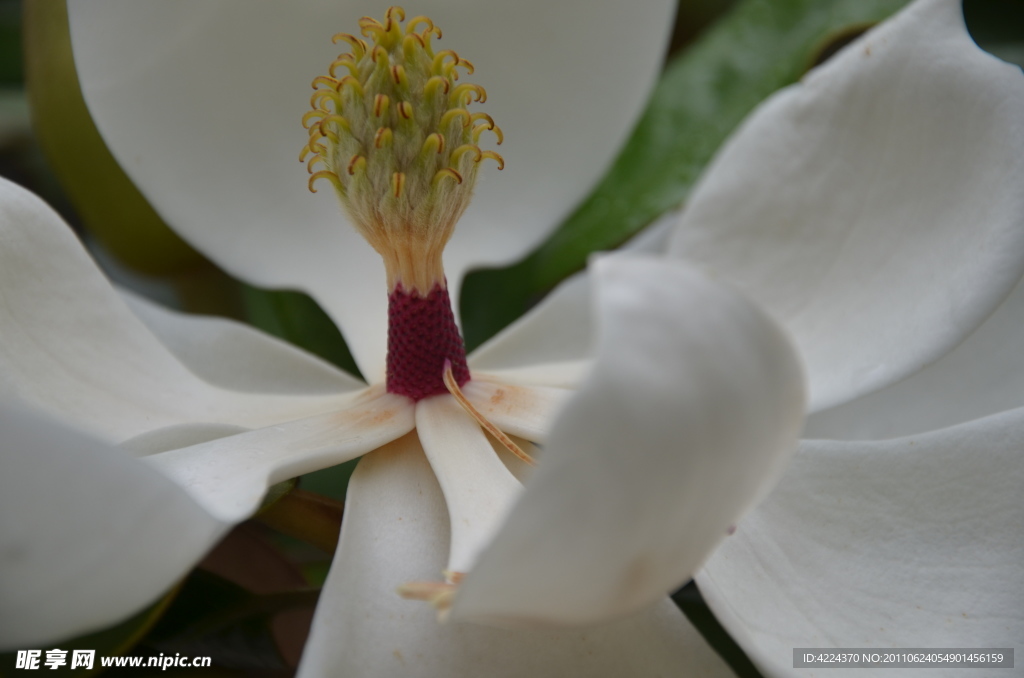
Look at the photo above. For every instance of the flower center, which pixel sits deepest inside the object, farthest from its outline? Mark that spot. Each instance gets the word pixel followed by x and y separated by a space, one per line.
pixel 391 130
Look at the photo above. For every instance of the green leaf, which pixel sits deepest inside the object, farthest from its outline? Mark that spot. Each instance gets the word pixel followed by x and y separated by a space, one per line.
pixel 998 26
pixel 704 93
pixel 11 66
pixel 689 600
pixel 297 318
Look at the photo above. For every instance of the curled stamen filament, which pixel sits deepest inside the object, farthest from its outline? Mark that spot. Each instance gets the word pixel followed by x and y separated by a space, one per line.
pixel 466 148
pixel 310 115
pixel 334 119
pixel 465 92
pixel 445 172
pixel 313 161
pixel 447 118
pixel 433 83
pixel 346 61
pixel 494 156
pixel 416 21
pixel 324 80
pixel 499 435
pixel 321 94
pixel 325 174
pixel 358 46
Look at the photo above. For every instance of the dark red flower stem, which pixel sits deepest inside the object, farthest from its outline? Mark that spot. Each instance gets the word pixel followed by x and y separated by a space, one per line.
pixel 421 335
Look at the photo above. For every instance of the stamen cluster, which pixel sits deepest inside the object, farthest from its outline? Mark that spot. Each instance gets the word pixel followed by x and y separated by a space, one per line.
pixel 391 130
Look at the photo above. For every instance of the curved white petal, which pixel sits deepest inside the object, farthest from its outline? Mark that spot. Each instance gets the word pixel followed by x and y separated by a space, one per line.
pixel 69 345
pixel 876 208
pixel 689 416
pixel 984 375
pixel 237 357
pixel 200 102
pixel 524 411
pixel 229 476
pixel 915 542
pixel 395 531
pixel 88 535
pixel 552 343
pixel 478 488
pixel 558 330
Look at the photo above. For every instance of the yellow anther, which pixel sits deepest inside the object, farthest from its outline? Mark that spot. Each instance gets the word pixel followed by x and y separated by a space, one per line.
pixel 349 81
pixel 485 423
pixel 324 94
pixel 399 76
pixel 371 27
pixel 434 143
pixel 416 21
pixel 330 134
pixel 468 65
pixel 480 129
pixel 434 83
pixel 335 119
pixel 358 46
pixel 310 115
pixel 412 45
pixel 466 148
pixel 462 94
pixel 445 172
pixel 306 150
pixel 356 164
pixel 380 105
pixel 449 116
pixel 330 176
pixel 313 161
pixel 439 67
pixel 397 184
pixel 483 116
pixel 405 110
pixel 390 15
pixel 347 63
pixel 383 137
pixel 494 156
pixel 315 135
pixel 324 80
pixel 378 53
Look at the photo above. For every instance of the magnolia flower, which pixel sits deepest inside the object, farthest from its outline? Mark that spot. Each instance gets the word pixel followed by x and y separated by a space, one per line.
pixel 873 210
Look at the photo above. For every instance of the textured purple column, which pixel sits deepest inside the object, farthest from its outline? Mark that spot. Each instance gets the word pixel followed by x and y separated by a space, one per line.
pixel 421 336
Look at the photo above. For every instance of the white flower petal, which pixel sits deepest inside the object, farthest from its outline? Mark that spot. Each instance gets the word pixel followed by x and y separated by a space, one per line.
pixel 395 531
pixel 69 345
pixel 562 375
pixel 88 535
pixel 237 357
pixel 524 411
pixel 229 476
pixel 690 414
pixel 558 330
pixel 982 376
pixel 915 542
pixel 876 208
pixel 477 486
pixel 553 341
pixel 200 102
